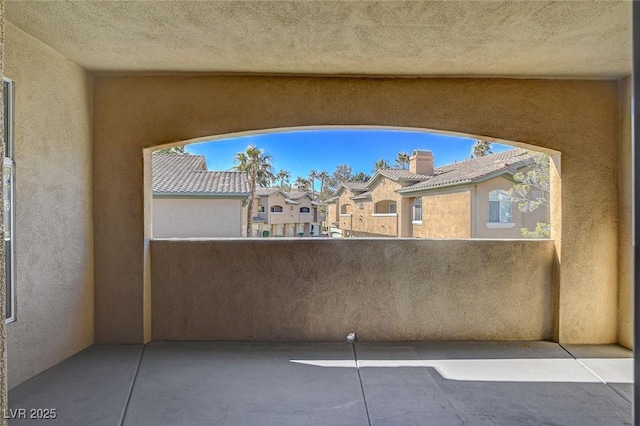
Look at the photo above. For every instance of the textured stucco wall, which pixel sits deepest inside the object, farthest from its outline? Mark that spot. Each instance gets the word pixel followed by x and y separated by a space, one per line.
pixel 332 213
pixel 286 216
pixel 54 221
pixel 445 215
pixel 346 209
pixel 362 222
pixel 577 118
pixel 586 38
pixel 303 217
pixel 625 256
pixel 321 289
pixel 197 217
pixel 383 192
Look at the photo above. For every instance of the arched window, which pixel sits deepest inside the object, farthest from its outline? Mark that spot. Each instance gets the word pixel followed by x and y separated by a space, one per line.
pixel 345 209
pixel 276 209
pixel 499 206
pixel 385 207
pixel 305 210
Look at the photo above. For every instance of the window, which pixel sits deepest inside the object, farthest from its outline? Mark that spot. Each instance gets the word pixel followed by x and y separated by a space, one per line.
pixel 361 206
pixel 417 209
pixel 260 209
pixel 499 206
pixel 305 210
pixel 9 201
pixel 385 207
pixel 276 209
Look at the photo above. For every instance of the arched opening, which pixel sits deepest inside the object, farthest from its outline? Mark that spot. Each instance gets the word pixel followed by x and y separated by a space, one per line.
pixel 394 204
pixel 558 116
pixel 453 199
pixel 386 207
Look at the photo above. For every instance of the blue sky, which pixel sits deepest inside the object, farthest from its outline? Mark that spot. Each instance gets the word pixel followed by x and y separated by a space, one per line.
pixel 303 150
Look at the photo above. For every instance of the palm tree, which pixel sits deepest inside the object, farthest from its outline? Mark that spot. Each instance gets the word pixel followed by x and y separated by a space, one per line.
pixel 257 165
pixel 284 176
pixel 402 160
pixel 380 164
pixel 324 177
pixel 302 184
pixel 481 148
pixel 313 175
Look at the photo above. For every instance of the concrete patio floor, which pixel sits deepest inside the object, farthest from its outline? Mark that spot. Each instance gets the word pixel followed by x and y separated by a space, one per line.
pixel 431 383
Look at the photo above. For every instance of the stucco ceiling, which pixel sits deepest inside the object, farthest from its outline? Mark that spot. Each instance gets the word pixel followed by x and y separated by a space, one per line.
pixel 585 39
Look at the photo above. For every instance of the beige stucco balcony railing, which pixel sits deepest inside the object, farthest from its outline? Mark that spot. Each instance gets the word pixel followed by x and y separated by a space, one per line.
pixel 320 289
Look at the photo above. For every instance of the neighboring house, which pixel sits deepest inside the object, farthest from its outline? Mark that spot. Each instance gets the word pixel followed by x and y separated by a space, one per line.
pixel 341 208
pixel 190 201
pixel 285 214
pixel 463 200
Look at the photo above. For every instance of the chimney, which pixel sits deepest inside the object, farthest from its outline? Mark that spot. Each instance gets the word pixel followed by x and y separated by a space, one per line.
pixel 421 162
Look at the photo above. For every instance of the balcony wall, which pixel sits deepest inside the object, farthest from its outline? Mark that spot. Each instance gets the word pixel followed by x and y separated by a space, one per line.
pixel 54 217
pixel 385 290
pixel 579 119
pixel 625 205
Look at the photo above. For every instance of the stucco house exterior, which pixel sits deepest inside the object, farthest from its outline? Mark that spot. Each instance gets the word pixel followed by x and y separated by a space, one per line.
pixel 190 201
pixel 463 200
pixel 285 214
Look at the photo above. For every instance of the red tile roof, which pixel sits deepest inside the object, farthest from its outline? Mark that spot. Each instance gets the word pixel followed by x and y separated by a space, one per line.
pixel 188 174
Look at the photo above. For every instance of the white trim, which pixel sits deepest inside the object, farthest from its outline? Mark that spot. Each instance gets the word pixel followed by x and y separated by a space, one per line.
pixel 384 214
pixel 501 225
pixel 305 212
pixel 416 222
pixel 345 214
pixel 275 212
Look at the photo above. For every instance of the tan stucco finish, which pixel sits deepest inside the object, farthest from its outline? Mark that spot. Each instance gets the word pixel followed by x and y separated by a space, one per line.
pixel 625 200
pixel 577 118
pixel 189 217
pixel 54 219
pixel 370 216
pixel 445 215
pixel 322 289
pixel 452 38
pixel 289 222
